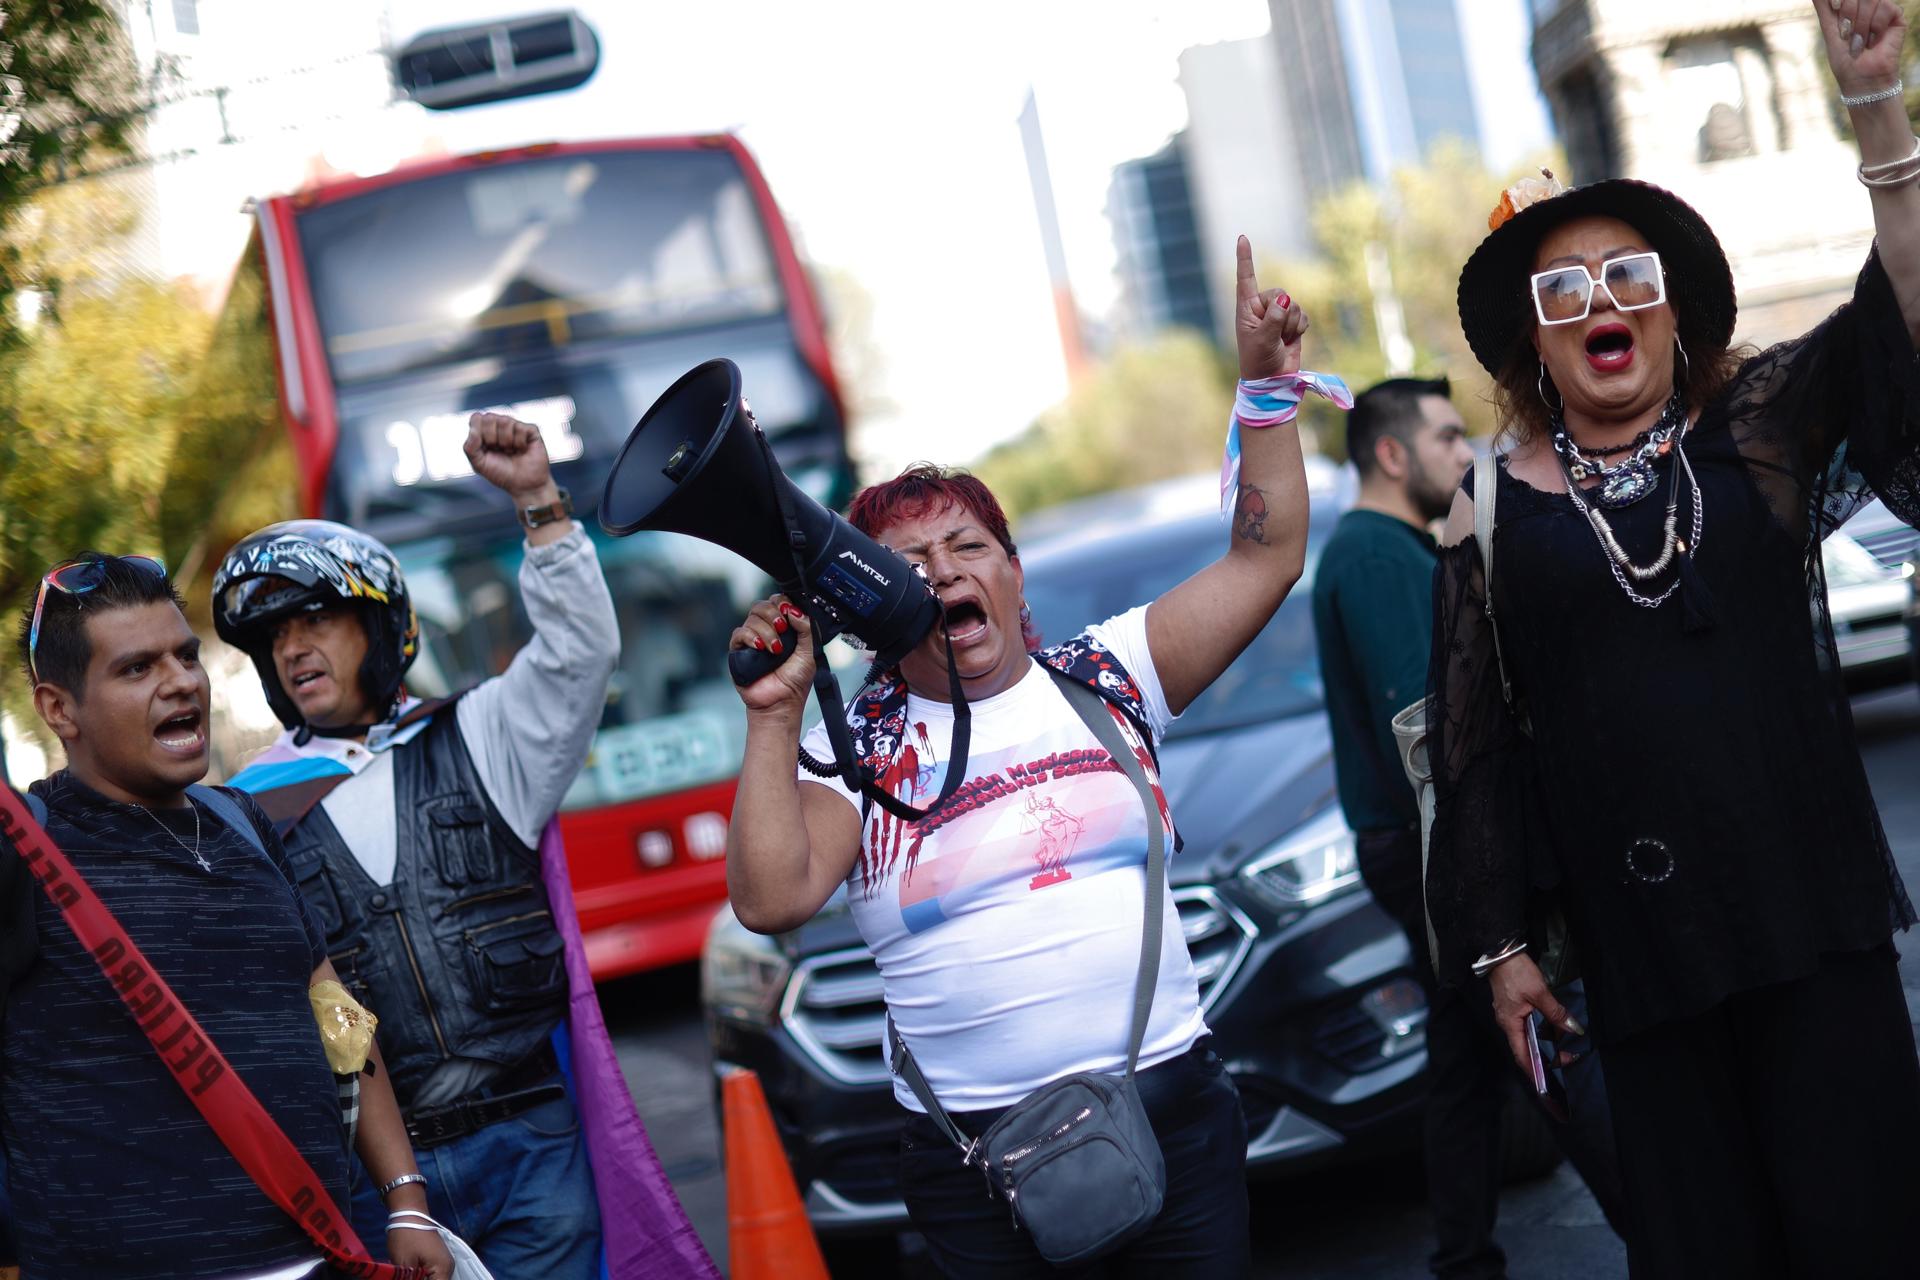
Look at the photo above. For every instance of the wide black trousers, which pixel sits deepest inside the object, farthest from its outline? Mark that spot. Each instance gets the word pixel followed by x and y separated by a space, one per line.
pixel 1471 1081
pixel 1777 1135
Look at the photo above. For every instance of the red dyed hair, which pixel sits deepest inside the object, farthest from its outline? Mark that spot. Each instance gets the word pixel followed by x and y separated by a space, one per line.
pixel 921 488
pixel 924 487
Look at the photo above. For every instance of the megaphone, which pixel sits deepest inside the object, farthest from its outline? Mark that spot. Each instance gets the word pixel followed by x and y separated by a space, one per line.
pixel 697 463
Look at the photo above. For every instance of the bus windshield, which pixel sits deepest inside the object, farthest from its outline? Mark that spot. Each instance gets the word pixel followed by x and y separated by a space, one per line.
pixel 489 262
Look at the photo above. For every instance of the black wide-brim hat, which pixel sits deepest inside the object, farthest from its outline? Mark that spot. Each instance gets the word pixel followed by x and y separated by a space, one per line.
pixel 1497 313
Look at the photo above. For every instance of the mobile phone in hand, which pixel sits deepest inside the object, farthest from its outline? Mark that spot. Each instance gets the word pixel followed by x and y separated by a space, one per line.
pixel 1543 1071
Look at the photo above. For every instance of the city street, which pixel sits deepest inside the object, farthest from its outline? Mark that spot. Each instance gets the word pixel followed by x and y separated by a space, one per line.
pixel 1353 1224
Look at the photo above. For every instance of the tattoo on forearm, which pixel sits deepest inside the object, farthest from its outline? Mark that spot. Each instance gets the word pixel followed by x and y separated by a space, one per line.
pixel 1250 515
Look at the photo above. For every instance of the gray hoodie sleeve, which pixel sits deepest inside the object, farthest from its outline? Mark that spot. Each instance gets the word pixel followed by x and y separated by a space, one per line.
pixel 528 729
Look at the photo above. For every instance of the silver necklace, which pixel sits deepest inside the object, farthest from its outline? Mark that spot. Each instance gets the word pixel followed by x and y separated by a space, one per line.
pixel 195 850
pixel 1622 564
pixel 1632 478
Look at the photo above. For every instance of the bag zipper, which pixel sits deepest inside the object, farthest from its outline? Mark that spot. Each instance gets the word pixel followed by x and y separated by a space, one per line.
pixel 1021 1153
pixel 1013 1157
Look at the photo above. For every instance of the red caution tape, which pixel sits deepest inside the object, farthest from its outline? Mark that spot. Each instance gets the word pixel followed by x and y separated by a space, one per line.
pixel 216 1091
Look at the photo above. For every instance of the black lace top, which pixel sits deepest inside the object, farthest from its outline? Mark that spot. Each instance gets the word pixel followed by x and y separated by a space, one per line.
pixel 1688 782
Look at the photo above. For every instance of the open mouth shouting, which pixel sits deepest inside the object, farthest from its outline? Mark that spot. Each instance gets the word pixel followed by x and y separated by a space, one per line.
pixel 308 681
pixel 183 734
pixel 1610 348
pixel 965 622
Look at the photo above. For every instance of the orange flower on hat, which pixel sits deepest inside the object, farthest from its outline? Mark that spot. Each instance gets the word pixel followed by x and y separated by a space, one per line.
pixel 1526 192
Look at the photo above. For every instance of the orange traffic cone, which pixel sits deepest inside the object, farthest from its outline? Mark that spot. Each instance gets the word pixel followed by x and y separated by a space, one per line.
pixel 768 1235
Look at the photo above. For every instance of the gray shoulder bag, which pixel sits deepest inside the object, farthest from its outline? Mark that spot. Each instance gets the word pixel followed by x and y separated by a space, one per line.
pixel 1077 1161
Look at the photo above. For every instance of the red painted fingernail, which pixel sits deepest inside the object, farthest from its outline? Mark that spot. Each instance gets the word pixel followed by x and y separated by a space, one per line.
pixel 758 643
pixel 1285 302
pixel 792 611
pixel 780 623
pixel 775 646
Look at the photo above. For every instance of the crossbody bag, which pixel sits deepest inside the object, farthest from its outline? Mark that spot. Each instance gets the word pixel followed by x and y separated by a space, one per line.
pixel 1547 938
pixel 1077 1160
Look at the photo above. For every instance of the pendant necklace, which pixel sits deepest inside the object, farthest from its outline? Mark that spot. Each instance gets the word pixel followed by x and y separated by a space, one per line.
pixel 195 850
pixel 1632 479
pixel 1625 571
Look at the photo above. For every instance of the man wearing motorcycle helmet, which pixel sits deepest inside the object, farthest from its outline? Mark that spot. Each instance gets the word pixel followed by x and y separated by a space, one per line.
pixel 413 829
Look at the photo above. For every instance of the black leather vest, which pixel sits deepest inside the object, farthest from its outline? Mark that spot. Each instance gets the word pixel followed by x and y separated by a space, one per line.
pixel 459 956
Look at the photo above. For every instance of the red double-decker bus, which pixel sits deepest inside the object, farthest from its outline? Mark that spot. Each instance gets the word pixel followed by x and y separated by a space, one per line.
pixel 567 284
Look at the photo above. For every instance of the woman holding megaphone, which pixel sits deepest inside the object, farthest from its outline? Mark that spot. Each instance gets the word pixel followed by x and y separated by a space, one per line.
pixel 1021 925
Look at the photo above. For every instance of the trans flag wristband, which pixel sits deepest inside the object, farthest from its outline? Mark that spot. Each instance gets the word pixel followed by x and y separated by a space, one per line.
pixel 1270 402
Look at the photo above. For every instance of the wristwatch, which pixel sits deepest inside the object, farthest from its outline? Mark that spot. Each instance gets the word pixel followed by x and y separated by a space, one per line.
pixel 534 517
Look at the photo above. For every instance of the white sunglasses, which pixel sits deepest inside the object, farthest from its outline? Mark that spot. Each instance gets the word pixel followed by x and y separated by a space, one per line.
pixel 1633 281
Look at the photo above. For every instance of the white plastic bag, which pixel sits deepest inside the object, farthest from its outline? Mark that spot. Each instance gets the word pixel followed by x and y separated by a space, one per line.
pixel 466 1266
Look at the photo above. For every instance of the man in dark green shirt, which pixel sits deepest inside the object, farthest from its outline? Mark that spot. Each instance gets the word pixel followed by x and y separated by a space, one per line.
pixel 1373 621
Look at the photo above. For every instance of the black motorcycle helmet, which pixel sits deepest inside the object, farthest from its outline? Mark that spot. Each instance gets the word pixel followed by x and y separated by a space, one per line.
pixel 303 565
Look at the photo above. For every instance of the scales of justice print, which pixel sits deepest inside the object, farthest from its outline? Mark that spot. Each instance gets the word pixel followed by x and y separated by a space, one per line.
pixel 1028 820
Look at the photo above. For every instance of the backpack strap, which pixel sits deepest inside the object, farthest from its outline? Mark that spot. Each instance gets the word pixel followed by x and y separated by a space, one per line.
pixel 230 1108
pixel 228 810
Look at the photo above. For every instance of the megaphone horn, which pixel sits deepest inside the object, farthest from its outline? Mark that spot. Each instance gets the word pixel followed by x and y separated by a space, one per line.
pixel 697 463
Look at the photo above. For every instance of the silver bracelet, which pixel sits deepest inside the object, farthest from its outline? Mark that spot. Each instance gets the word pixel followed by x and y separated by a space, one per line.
pixel 1868 99
pixel 1892 173
pixel 1487 964
pixel 402 1181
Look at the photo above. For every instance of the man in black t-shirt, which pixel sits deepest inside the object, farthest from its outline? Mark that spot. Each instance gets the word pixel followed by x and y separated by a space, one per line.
pixel 111 1171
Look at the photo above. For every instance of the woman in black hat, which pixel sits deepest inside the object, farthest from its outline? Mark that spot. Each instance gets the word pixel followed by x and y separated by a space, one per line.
pixel 1676 767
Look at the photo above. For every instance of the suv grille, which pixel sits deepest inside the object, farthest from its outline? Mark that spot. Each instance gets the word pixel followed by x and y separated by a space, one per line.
pixel 834 1010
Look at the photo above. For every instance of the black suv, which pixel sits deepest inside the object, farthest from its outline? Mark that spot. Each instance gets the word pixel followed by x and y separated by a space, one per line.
pixel 1304 981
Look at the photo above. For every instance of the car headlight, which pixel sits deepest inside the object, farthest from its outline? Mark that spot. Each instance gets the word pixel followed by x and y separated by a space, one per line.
pixel 742 974
pixel 1313 863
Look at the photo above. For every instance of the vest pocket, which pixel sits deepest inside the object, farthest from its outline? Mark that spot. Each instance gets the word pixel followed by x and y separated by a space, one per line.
pixel 462 845
pixel 316 886
pixel 516 963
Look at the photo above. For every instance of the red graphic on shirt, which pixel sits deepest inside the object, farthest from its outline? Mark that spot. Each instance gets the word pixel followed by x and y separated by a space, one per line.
pixel 1059 833
pixel 880 852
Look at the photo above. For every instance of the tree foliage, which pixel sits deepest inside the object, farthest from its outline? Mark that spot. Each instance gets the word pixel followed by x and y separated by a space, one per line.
pixel 68 96
pixel 1159 410
pixel 125 430
pixel 1150 412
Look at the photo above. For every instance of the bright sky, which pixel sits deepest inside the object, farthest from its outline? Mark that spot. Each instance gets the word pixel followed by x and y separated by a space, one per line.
pixel 887 131
pixel 889 134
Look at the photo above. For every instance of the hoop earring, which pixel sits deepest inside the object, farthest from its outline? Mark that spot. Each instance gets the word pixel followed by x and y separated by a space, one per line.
pixel 1686 365
pixel 1026 616
pixel 1540 385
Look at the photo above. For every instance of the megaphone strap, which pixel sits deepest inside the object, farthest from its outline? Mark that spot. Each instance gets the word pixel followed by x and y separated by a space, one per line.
pixel 847 765
pixel 826 689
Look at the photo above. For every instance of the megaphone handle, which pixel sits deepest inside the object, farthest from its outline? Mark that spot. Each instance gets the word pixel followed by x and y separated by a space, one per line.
pixel 748 665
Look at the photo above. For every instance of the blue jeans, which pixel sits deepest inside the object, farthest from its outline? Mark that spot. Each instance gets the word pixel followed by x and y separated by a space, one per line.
pixel 518 1191
pixel 1201 1233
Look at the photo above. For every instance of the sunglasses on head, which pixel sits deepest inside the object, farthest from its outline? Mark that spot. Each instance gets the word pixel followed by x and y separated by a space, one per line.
pixel 1633 282
pixel 76 578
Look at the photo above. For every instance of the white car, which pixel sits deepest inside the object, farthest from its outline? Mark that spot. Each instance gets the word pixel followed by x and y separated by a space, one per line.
pixel 1869 566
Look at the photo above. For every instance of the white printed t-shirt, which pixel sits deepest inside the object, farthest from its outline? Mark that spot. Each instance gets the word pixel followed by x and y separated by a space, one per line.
pixel 1007 930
